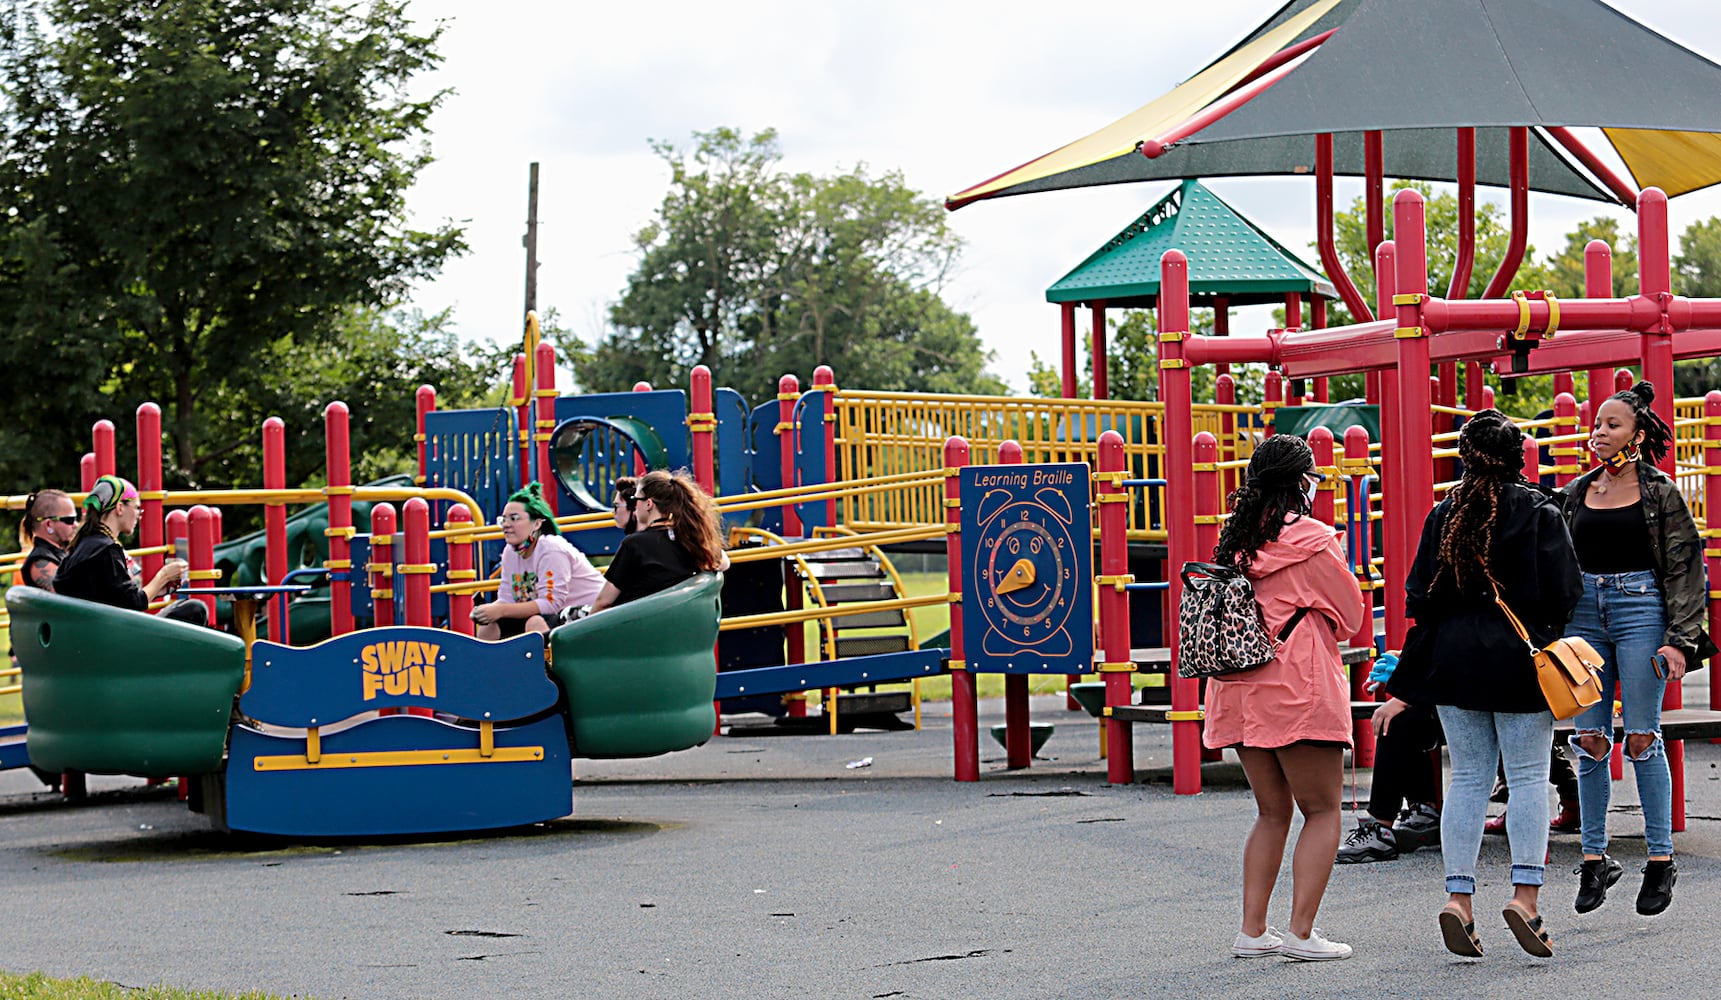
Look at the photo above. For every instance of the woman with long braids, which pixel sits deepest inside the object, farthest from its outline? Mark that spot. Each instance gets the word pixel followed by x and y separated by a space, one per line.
pixel 1289 720
pixel 678 533
pixel 1492 534
pixel 1643 604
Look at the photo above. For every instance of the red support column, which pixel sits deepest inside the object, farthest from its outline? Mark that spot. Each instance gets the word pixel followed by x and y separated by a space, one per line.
pixel 1623 379
pixel 1181 541
pixel 1325 507
pixel 200 547
pixel 1414 478
pixel 824 378
pixel 337 467
pixel 522 400
pixel 1359 546
pixel 702 421
pixel 1532 460
pixel 545 397
pixel 1117 662
pixel 275 521
pixel 1598 284
pixel 1101 388
pixel 1293 311
pixel 1067 339
pixel 425 401
pixel 1466 259
pixel 149 485
pixel 382 523
pixel 1222 323
pixel 87 473
pixel 1274 389
pixel 461 569
pixel 102 435
pixel 1519 178
pixel 1018 743
pixel 964 707
pixel 1325 239
pixel 1474 383
pixel 417 568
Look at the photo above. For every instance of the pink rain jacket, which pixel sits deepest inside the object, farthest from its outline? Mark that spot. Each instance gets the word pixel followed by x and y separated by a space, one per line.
pixel 1303 693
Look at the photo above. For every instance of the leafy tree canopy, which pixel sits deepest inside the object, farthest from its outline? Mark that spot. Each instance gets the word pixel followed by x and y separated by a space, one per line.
pixel 205 207
pixel 756 272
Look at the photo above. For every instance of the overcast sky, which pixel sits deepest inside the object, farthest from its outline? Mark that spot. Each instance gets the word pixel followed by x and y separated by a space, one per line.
pixel 949 93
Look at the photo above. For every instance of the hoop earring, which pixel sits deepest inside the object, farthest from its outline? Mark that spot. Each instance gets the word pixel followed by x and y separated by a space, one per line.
pixel 1631 452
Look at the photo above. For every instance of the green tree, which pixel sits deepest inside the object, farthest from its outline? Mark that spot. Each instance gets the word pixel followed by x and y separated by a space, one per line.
pixel 197 191
pixel 754 272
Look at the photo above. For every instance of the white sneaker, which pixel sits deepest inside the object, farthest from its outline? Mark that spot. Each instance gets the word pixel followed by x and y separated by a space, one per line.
pixel 1259 946
pixel 1315 949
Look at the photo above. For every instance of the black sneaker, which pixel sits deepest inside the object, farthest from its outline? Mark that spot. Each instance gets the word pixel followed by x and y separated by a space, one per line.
pixel 1594 879
pixel 1657 891
pixel 1370 841
pixel 1418 826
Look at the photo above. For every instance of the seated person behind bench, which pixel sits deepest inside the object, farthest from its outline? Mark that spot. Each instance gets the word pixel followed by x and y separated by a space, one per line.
pixel 95 568
pixel 680 534
pixel 541 573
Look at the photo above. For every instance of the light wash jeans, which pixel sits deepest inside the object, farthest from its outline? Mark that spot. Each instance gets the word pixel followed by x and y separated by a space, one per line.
pixel 1622 617
pixel 1477 741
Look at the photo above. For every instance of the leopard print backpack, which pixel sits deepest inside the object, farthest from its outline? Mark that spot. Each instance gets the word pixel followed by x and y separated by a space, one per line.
pixel 1220 629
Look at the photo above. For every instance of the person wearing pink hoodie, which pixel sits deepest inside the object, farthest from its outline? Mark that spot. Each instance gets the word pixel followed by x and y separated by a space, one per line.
pixel 1288 720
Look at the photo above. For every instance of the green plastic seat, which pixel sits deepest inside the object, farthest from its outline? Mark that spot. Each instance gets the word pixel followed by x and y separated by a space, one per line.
pixel 109 691
pixel 640 678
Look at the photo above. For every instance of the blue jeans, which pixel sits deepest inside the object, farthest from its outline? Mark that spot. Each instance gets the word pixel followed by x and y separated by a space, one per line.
pixel 1621 615
pixel 1477 741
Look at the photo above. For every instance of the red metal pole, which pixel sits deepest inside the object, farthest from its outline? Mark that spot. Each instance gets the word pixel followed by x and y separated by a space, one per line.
pixel 1360 547
pixel 1414 478
pixel 1374 187
pixel 1118 663
pixel 1099 351
pixel 702 421
pixel 1598 284
pixel 200 544
pixel 522 400
pixel 382 524
pixel 824 378
pixel 425 399
pixel 461 569
pixel 1519 171
pixel 337 465
pixel 103 435
pixel 149 485
pixel 1181 541
pixel 1326 240
pixel 1273 387
pixel 416 514
pixel 1532 460
pixel 1318 320
pixel 1623 379
pixel 1293 311
pixel 1474 383
pixel 87 473
pixel 1018 746
pixel 1325 506
pixel 964 708
pixel 1398 558
pixel 545 366
pixel 1626 194
pixel 1067 321
pixel 1466 259
pixel 275 520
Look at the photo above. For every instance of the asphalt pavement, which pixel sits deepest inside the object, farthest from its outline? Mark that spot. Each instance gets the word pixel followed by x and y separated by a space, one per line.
pixel 764 865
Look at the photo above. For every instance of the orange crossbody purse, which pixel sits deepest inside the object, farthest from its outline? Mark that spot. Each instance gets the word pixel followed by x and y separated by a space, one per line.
pixel 1567 669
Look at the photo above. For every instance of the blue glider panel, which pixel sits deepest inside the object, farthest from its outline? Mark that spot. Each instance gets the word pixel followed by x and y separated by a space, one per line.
pixel 767 462
pixel 386 776
pixel 394 668
pixel 13 752
pixel 664 409
pixel 882 668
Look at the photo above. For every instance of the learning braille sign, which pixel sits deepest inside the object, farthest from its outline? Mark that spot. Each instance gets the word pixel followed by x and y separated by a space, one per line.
pixel 1027 550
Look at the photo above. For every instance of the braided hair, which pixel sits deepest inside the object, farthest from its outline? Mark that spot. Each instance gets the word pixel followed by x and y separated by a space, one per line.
pixel 1492 449
pixel 1272 490
pixel 1657 436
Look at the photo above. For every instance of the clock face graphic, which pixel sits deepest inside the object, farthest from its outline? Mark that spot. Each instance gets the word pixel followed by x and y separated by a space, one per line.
pixel 1029 576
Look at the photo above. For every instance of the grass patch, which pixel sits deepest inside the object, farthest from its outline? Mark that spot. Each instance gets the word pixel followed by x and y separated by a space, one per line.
pixel 36 986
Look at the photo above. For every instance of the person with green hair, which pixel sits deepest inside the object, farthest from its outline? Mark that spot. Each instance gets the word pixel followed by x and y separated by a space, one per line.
pixel 542 575
pixel 95 568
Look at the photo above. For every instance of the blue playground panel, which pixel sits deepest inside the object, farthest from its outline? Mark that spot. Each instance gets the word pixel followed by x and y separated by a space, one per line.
pixel 364 606
pixel 398 773
pixel 13 752
pixel 882 668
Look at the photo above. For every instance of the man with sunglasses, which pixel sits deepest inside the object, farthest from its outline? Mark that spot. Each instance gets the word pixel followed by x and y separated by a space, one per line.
pixel 50 521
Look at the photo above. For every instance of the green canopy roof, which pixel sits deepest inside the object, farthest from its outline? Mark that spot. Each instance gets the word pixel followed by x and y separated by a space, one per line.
pixel 1228 255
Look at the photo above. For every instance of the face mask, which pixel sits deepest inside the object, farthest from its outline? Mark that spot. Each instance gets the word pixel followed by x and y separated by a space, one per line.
pixel 1309 493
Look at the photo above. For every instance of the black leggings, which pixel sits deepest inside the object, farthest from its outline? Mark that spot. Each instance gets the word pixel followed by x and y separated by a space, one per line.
pixel 1403 772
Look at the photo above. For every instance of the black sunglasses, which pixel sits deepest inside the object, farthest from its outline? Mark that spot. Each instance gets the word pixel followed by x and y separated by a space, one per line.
pixel 64 519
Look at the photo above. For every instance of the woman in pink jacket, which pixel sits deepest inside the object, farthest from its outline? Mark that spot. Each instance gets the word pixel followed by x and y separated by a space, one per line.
pixel 1289 720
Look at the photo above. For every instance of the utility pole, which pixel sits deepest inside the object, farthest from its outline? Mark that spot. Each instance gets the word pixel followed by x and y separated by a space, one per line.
pixel 530 241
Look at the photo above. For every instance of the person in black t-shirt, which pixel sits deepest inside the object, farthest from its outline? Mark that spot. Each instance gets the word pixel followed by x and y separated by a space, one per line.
pixel 679 534
pixel 95 569
pixel 50 521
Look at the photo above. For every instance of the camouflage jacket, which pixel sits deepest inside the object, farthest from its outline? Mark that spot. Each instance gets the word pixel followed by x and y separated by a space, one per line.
pixel 1678 557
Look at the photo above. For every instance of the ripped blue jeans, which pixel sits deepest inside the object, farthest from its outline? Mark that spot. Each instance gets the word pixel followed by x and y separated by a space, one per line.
pixel 1621 615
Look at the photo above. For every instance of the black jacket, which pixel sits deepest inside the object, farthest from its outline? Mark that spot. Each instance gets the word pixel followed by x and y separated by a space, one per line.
pixel 1678 553
pixel 95 570
pixel 1462 651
